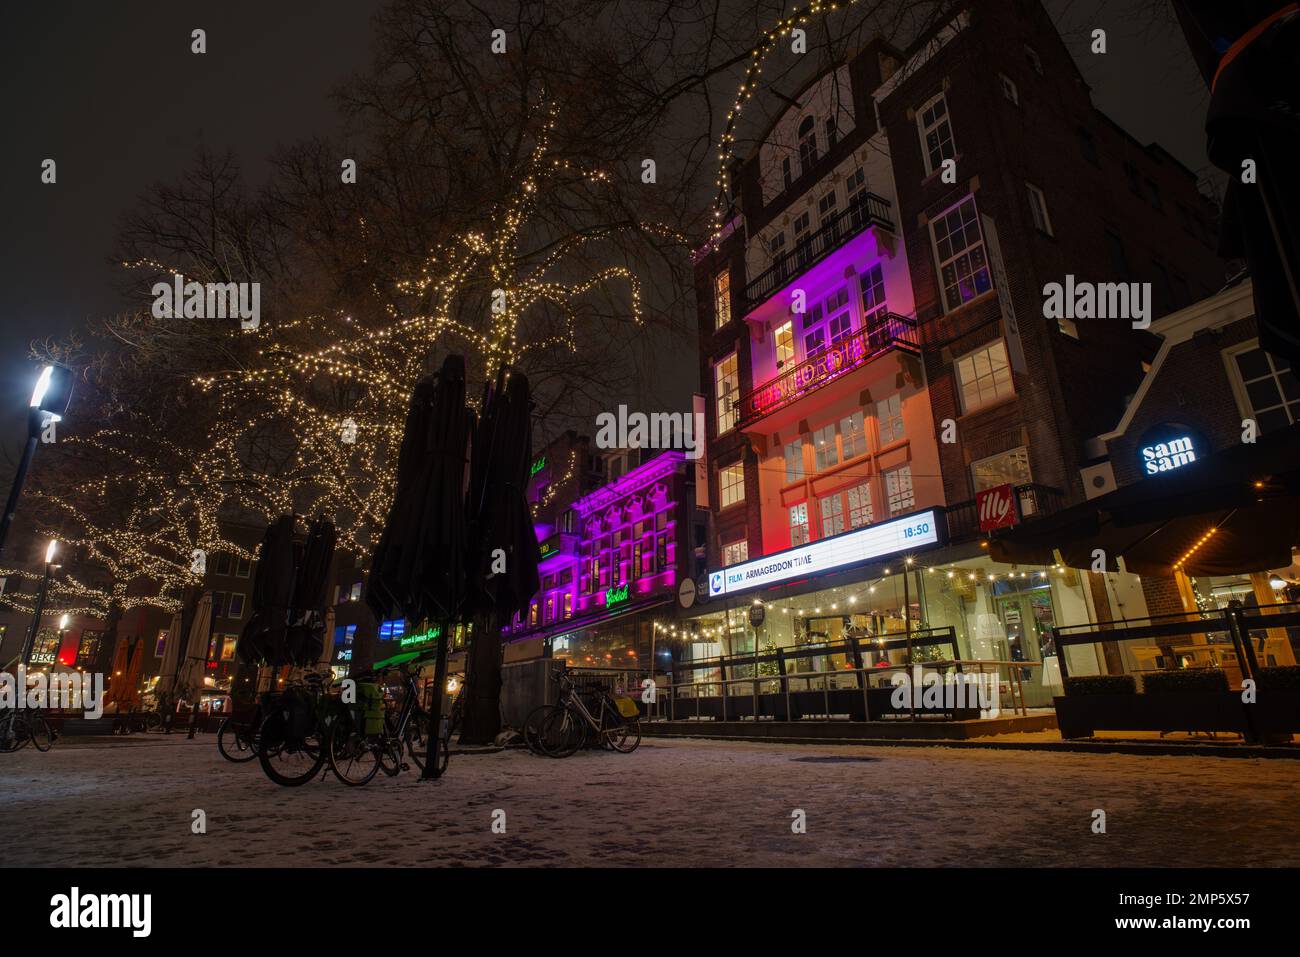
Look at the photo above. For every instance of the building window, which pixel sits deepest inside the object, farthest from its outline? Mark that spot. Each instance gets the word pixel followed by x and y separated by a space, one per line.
pixel 1118 260
pixel 568 604
pixel 825 452
pixel 784 344
pixel 733 553
pixel 1271 388
pixel 722 297
pixel 235 606
pixel 874 305
pixel 726 380
pixel 802 237
pixel 787 174
pixel 1088 147
pixel 799 524
pixel 898 490
pixel 832 511
pixel 855 192
pixel 222 564
pixel 963 265
pixel 88 647
pixel 776 247
pixel 1009 89
pixel 228 643
pixel 889 415
pixel 1034 60
pixel 830 315
pixel 242 567
pixel 1005 468
pixel 984 376
pixel 1134 181
pixel 807 144
pixel 1038 206
pixel 1153 194
pixel 826 209
pixel 859 505
pixel 936 133
pixel 731 484
pixel 853 435
pixel 794 460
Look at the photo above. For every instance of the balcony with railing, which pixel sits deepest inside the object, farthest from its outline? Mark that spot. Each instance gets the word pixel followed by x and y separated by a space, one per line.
pixel 886 332
pixel 1034 501
pixel 867 210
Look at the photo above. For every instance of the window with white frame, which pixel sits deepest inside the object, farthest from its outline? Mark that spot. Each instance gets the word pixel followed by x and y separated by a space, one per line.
pixel 859 498
pixel 1009 89
pixel 1010 467
pixel 898 490
pixel 794 460
pixel 731 484
pixel 799 524
pixel 802 235
pixel 855 193
pixel 784 340
pixel 726 383
pixel 959 246
pixel 733 553
pixel 825 452
pixel 984 376
pixel 828 319
pixel 889 416
pixel 874 305
pixel 1271 388
pixel 776 246
pixel 832 515
pixel 936 132
pixel 807 144
pixel 826 209
pixel 853 435
pixel 1038 207
pixel 722 297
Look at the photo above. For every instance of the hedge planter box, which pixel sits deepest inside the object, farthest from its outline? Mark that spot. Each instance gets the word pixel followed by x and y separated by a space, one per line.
pixel 1078 716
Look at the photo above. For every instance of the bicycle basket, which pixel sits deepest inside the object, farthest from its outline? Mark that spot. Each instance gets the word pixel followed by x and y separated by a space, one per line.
pixel 627 707
pixel 368 712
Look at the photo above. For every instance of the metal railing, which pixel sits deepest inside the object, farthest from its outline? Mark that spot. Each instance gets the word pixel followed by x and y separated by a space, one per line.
pixel 1035 501
pixel 890 331
pixel 954 671
pixel 868 209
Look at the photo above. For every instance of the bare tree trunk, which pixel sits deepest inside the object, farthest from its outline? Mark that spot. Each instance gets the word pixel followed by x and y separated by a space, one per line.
pixel 483 684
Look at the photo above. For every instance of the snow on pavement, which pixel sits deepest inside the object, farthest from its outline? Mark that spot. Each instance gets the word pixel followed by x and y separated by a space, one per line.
pixel 671 803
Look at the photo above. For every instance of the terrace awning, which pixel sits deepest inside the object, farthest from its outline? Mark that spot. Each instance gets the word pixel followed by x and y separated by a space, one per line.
pixel 1233 512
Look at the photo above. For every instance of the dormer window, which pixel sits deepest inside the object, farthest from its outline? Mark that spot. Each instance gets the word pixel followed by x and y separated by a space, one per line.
pixel 807 144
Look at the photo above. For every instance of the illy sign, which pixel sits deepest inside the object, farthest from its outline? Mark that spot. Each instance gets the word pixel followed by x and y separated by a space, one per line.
pixel 997 507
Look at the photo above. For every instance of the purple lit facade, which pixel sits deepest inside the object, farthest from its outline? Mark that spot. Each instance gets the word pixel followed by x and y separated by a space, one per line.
pixel 610 563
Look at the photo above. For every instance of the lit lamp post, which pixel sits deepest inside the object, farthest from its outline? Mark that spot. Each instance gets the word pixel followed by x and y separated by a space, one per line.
pixel 50 564
pixel 49 401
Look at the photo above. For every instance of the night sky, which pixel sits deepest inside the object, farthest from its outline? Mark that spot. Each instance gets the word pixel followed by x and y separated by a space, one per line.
pixel 114 95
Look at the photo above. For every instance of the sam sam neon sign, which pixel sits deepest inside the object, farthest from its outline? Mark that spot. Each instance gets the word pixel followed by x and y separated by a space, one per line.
pixel 1169 455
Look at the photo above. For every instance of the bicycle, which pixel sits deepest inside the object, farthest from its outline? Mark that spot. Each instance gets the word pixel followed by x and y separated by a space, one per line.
pixel 570 724
pixel 291 738
pixel 237 740
pixel 18 727
pixel 356 756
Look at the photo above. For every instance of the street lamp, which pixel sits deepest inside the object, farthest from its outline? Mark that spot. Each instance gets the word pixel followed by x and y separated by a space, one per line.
pixel 49 401
pixel 50 564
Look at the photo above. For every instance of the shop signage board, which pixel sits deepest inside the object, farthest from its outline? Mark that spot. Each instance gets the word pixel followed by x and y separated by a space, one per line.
pixel 616 596
pixel 997 507
pixel 881 540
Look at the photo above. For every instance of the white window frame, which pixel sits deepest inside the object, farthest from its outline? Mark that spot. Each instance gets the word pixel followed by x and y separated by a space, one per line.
pixel 967 250
pixel 1022 450
pixel 876 309
pixel 826 451
pixel 1038 209
pixel 830 514
pixel 1238 383
pixel 1001 372
pixel 863 491
pixel 851 439
pixel 794 446
pixel 722 298
pixel 785 350
pixel 923 130
pixel 899 500
pixel 726 390
pixel 731 484
pixel 733 553
pixel 889 412
pixel 799 511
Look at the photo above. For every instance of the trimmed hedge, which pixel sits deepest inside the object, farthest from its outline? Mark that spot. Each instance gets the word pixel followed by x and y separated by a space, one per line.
pixel 1185 681
pixel 1100 684
pixel 1280 678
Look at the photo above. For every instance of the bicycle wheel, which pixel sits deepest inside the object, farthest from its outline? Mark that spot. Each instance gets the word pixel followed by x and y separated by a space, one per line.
pixel 417 738
pixel 234 744
pixel 562 733
pixel 153 721
pixel 353 756
pixel 39 731
pixel 533 728
pixel 624 737
pixel 289 762
pixel 13 731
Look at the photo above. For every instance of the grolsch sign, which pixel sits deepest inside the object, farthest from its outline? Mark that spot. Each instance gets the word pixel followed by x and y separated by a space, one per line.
pixel 997 507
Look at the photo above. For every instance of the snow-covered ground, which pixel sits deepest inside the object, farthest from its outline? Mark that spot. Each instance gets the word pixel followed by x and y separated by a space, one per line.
pixel 675 803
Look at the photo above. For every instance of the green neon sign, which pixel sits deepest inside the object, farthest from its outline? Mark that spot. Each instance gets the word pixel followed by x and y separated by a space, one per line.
pixel 537 466
pixel 615 596
pixel 420 638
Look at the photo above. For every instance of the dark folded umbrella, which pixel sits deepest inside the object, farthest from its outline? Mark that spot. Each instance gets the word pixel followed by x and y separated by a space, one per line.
pixel 304 639
pixel 263 638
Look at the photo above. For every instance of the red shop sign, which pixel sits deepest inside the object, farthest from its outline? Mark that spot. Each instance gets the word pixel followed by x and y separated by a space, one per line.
pixel 997 507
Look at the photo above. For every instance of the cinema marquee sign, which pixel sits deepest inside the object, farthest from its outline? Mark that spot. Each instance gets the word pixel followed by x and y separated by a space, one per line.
pixel 1169 447
pixel 851 548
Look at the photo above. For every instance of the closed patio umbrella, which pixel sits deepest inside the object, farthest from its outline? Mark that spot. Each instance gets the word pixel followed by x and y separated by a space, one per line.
pixel 193 666
pixel 264 636
pixel 131 680
pixel 171 651
pixel 117 671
